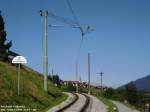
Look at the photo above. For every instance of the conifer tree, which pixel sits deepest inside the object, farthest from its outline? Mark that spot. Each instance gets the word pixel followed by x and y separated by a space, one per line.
pixel 4 47
pixel 2 31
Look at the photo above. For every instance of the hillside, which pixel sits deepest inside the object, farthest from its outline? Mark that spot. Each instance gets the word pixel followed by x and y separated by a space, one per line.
pixel 32 93
pixel 142 83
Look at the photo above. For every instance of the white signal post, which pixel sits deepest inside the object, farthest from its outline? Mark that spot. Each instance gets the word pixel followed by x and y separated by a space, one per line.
pixel 19 60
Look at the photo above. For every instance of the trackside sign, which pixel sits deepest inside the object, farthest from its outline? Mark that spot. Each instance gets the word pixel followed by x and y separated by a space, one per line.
pixel 19 59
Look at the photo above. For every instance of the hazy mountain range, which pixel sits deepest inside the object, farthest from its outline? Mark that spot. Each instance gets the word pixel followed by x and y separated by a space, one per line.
pixel 142 83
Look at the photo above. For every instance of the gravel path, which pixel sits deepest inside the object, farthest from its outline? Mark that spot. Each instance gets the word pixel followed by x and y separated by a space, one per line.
pixel 77 106
pixel 123 108
pixel 96 105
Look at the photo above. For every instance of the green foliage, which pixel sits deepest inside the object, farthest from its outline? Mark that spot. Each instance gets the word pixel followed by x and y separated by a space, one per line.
pixel 4 47
pixel 131 93
pixel 2 31
pixel 68 87
pixel 55 79
pixel 82 90
pixel 119 95
pixel 129 96
pixel 109 104
pixel 71 87
pixel 108 93
pixel 1 22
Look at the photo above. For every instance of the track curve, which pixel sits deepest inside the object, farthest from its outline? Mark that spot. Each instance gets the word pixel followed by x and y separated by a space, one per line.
pixel 69 105
pixel 80 104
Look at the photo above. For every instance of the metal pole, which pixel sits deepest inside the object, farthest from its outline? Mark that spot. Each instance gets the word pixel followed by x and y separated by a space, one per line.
pixel 46 51
pixel 18 79
pixel 89 72
pixel 77 89
pixel 45 48
pixel 101 74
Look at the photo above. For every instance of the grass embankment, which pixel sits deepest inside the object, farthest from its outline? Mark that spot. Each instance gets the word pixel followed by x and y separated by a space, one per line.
pixel 32 95
pixel 110 105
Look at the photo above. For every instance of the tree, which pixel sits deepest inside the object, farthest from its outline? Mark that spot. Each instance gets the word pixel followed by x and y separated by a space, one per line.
pixel 56 80
pixel 70 87
pixel 2 31
pixel 108 93
pixel 131 93
pixel 4 47
pixel 49 77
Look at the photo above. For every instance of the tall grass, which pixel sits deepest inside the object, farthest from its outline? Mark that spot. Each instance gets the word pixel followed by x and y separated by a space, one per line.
pixel 32 94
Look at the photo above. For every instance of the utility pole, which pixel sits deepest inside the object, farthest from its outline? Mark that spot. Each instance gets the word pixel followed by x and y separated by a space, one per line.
pixel 45 47
pixel 89 73
pixel 77 89
pixel 84 29
pixel 101 75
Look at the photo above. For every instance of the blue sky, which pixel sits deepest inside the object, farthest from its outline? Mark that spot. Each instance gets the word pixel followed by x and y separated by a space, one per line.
pixel 119 46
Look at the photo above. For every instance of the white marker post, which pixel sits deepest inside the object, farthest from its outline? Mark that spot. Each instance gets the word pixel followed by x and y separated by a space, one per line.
pixel 19 60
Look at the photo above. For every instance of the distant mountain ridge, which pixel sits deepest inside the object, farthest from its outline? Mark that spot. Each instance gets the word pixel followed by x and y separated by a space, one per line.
pixel 141 83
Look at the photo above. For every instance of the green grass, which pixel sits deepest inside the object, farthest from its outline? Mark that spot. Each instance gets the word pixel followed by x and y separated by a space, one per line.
pixel 129 105
pixel 32 94
pixel 59 100
pixel 109 104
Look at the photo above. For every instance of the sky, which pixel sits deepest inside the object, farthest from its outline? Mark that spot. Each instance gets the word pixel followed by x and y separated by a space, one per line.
pixel 119 45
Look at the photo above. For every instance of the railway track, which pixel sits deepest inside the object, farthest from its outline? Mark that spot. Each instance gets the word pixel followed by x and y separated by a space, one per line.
pixel 87 103
pixel 69 105
pixel 80 104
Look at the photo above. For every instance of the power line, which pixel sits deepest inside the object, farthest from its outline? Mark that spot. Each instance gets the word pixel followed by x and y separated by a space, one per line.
pixel 82 38
pixel 75 17
pixel 72 11
pixel 74 24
